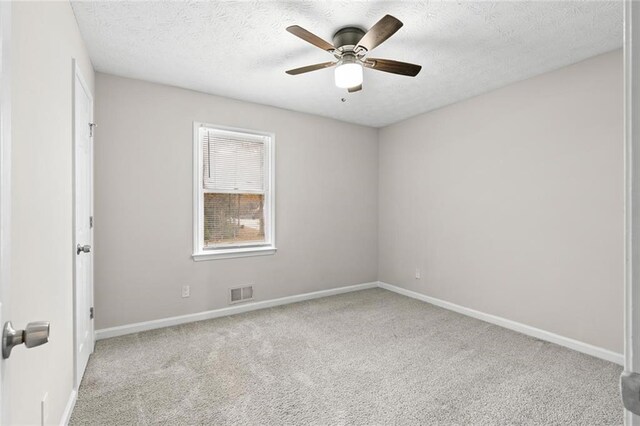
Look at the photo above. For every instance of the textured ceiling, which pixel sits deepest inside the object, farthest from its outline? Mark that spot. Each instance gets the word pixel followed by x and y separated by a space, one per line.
pixel 241 49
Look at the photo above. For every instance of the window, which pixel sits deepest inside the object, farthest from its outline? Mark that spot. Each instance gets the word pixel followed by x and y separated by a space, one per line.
pixel 233 192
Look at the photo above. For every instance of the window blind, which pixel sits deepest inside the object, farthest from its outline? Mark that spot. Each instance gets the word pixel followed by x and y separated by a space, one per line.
pixel 233 162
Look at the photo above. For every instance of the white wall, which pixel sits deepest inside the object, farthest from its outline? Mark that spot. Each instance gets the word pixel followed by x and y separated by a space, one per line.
pixel 45 38
pixel 511 203
pixel 326 203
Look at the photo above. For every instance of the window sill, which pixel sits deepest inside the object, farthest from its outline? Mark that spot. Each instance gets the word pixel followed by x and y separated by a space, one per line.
pixel 233 253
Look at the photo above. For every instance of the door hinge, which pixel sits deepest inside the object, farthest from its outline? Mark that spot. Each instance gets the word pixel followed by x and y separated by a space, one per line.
pixel 90 221
pixel 91 312
pixel 91 127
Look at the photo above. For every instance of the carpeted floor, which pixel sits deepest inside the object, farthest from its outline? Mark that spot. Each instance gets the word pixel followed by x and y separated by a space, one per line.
pixel 368 357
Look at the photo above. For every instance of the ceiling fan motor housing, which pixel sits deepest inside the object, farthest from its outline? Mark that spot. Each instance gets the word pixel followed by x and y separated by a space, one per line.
pixel 345 39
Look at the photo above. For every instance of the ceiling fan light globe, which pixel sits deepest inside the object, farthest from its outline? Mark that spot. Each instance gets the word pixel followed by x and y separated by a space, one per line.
pixel 348 75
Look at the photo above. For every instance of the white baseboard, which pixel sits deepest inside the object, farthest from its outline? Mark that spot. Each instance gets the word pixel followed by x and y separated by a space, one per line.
pixel 106 333
pixel 512 325
pixel 238 309
pixel 66 415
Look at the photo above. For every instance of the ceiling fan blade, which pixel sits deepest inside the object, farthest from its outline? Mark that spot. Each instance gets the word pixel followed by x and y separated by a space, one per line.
pixel 382 30
pixel 310 38
pixel 394 67
pixel 309 68
pixel 355 89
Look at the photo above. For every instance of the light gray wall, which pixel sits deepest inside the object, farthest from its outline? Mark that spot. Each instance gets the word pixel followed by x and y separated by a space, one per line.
pixel 511 203
pixel 45 38
pixel 326 203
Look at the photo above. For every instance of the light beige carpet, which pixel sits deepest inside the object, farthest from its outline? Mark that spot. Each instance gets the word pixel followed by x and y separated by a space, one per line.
pixel 369 357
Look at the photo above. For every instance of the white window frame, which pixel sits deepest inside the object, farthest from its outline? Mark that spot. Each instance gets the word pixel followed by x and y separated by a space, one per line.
pixel 241 250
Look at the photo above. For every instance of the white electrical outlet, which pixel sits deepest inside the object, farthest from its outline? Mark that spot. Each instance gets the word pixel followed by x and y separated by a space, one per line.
pixel 186 291
pixel 417 273
pixel 44 412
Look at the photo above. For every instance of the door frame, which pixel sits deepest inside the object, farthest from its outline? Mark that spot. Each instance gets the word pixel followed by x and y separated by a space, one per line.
pixel 78 78
pixel 632 193
pixel 5 192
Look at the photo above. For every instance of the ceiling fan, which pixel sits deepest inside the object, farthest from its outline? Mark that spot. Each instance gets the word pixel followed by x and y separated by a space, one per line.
pixel 350 47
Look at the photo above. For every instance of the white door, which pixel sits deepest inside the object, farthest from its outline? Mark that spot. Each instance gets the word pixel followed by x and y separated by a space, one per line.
pixel 631 376
pixel 83 199
pixel 5 194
